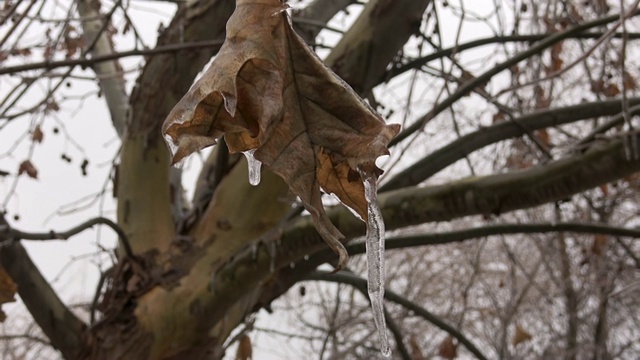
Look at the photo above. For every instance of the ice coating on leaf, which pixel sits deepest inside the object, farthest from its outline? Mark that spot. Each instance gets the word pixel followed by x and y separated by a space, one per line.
pixel 375 259
pixel 254 167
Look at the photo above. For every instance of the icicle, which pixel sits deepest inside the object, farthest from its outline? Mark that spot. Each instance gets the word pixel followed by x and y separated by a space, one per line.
pixel 375 259
pixel 254 167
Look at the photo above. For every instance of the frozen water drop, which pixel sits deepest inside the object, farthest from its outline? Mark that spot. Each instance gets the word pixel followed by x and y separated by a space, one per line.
pixel 374 241
pixel 254 167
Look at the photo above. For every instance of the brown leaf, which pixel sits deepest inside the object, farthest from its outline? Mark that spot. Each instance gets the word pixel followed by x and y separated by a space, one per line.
pixel 448 349
pixel 556 57
pixel 543 136
pixel 7 291
pixel 599 245
pixel 245 350
pixel 28 168
pixel 520 336
pixel 37 134
pixel 266 90
pixel 500 116
pixel 629 81
pixel 611 90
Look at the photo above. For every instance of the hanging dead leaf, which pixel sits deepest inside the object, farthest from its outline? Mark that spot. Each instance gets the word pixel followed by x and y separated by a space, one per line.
pixel 629 81
pixel 28 168
pixel 556 57
pixel 499 116
pixel 266 90
pixel 542 102
pixel 611 90
pixel 599 245
pixel 7 291
pixel 543 136
pixel 245 350
pixel 520 336
pixel 448 349
pixel 37 135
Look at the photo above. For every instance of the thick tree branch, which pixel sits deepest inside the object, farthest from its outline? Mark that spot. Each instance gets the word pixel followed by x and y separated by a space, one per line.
pixel 485 77
pixel 60 325
pixel 361 284
pixel 480 195
pixel 401 242
pixel 146 196
pixel 109 72
pixel 419 62
pixel 381 30
pixel 465 145
pixel 319 12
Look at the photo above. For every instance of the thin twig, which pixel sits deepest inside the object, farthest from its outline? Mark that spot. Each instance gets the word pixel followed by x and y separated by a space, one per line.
pixel 360 283
pixel 9 233
pixel 48 65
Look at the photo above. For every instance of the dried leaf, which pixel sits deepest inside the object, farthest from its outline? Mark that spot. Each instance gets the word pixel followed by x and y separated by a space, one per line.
pixel 266 90
pixel 500 116
pixel 245 349
pixel 543 136
pixel 542 102
pixel 448 349
pixel 611 90
pixel 629 81
pixel 556 57
pixel 599 245
pixel 28 168
pixel 37 135
pixel 520 336
pixel 7 291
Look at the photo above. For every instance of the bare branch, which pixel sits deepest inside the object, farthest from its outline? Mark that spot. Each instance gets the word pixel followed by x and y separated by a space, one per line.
pixel 486 76
pixel 9 233
pixel 465 145
pixel 360 283
pixel 419 62
pixel 95 59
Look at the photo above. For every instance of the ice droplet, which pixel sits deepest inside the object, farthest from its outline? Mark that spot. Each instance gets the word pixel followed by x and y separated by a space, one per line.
pixel 375 259
pixel 254 167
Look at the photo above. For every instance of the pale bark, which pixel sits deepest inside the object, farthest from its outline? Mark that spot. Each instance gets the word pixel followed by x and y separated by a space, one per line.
pixel 109 73
pixel 371 43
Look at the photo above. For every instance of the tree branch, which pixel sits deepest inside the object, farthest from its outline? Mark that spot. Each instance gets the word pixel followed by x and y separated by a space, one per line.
pixel 366 49
pixel 9 233
pixel 99 58
pixel 60 325
pixel 480 195
pixel 99 44
pixel 465 145
pixel 487 75
pixel 361 284
pixel 401 242
pixel 419 62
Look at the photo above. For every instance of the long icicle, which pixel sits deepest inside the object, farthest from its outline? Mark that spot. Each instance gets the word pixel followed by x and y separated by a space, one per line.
pixel 254 167
pixel 375 259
